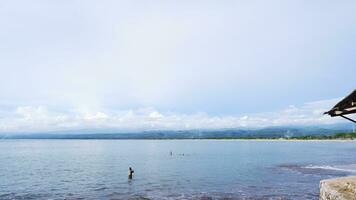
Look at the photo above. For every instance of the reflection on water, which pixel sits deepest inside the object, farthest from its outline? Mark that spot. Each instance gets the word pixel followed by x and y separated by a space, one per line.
pixel 97 169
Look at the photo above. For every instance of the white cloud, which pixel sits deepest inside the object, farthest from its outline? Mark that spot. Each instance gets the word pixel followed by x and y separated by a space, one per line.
pixel 40 118
pixel 156 114
pixel 96 116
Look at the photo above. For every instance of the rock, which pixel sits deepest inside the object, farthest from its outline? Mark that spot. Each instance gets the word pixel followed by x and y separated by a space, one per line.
pixel 338 188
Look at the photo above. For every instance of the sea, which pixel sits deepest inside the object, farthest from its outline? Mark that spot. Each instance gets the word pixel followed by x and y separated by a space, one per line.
pixel 170 169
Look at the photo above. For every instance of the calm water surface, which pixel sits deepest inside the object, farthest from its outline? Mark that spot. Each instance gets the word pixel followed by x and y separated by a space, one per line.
pixel 198 169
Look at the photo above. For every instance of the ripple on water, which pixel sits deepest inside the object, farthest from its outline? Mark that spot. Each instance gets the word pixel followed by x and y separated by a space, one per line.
pixel 100 189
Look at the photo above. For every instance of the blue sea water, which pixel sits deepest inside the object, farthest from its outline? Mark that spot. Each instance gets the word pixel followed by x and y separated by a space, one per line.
pixel 197 169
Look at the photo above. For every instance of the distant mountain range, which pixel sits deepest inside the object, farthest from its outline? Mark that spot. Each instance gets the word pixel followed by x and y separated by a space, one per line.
pixel 268 132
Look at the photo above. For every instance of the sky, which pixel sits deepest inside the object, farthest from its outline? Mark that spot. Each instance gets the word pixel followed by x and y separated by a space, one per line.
pixel 143 65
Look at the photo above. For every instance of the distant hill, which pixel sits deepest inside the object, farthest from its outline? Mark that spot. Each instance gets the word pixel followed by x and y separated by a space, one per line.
pixel 268 132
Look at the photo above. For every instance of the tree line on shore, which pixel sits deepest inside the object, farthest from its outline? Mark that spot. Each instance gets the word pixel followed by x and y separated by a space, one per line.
pixel 350 135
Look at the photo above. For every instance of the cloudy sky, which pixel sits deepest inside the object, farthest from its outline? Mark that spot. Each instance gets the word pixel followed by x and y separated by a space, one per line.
pixel 139 65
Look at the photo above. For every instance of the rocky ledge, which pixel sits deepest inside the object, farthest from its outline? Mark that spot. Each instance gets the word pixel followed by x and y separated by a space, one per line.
pixel 338 188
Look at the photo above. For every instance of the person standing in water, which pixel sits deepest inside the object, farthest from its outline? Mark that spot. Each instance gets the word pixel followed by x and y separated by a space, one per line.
pixel 131 171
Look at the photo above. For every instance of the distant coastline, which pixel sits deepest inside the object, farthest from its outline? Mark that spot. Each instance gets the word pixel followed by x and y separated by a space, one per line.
pixel 344 136
pixel 324 132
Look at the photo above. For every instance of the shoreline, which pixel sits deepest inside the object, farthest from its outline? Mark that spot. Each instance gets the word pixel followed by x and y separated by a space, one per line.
pixel 194 139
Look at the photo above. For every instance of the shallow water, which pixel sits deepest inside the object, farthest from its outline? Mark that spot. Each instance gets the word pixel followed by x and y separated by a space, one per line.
pixel 198 169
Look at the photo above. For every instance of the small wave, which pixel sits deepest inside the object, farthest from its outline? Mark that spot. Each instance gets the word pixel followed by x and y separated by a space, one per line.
pixel 336 170
pixel 100 188
pixel 346 168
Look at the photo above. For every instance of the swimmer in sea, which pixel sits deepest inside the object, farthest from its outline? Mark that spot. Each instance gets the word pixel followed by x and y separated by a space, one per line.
pixel 131 171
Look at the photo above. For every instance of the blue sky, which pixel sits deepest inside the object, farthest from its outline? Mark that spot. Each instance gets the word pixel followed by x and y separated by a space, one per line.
pixel 173 64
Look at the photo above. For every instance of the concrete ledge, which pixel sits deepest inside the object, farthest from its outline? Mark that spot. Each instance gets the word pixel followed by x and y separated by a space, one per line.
pixel 338 188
